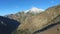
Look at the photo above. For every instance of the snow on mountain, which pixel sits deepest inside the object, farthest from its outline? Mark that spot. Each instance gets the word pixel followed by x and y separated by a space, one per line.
pixel 34 9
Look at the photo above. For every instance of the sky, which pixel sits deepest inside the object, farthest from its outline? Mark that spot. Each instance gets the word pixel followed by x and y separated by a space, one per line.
pixel 14 6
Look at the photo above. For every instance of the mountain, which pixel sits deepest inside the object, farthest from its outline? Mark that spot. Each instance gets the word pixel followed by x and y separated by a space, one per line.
pixel 21 16
pixel 42 20
pixel 36 21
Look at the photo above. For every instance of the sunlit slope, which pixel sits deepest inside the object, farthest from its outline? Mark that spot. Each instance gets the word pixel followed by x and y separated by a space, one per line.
pixel 42 20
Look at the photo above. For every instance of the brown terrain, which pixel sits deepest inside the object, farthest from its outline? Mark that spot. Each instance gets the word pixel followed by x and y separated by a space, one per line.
pixel 52 28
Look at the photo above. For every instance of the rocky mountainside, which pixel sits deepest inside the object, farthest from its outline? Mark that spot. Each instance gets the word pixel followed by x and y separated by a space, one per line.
pixel 39 23
pixel 42 20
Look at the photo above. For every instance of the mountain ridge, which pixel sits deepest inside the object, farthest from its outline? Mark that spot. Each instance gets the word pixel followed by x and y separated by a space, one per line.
pixel 44 18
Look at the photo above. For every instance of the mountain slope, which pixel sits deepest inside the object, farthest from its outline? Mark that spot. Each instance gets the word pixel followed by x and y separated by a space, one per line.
pixel 54 26
pixel 40 21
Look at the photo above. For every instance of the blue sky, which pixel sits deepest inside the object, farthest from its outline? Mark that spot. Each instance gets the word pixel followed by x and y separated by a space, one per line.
pixel 14 6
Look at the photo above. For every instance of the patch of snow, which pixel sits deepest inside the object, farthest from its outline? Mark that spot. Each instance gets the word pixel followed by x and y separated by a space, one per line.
pixel 35 10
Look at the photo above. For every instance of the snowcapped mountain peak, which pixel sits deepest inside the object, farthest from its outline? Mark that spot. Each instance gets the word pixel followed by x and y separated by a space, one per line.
pixel 35 10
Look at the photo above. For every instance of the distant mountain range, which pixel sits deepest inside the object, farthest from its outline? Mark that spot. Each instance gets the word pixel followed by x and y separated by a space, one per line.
pixel 21 16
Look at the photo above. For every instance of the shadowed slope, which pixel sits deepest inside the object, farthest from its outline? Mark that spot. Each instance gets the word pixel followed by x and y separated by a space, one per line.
pixel 7 25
